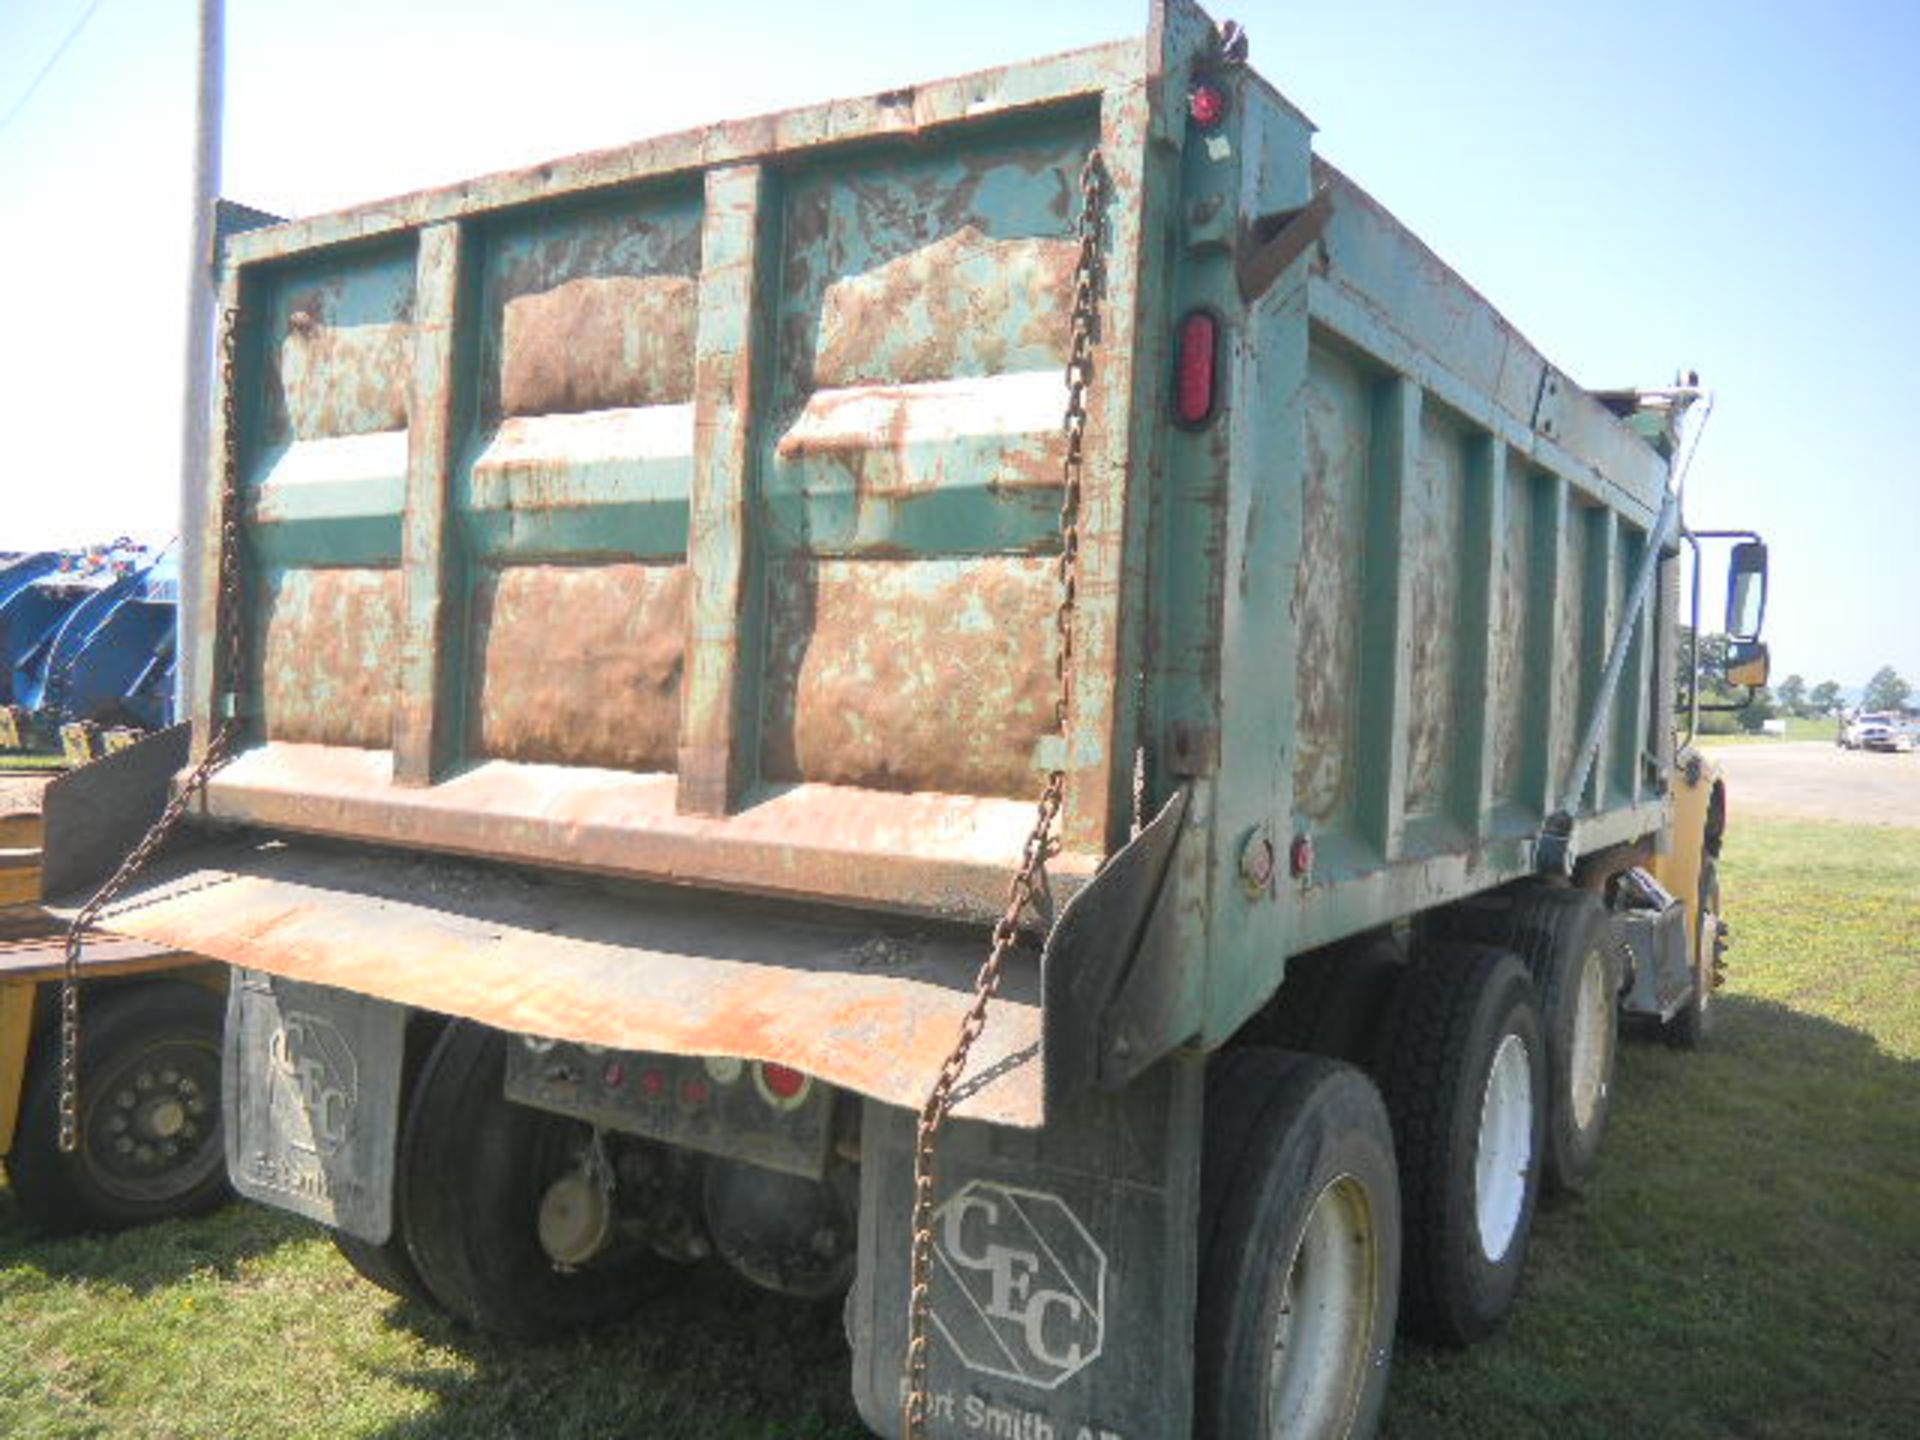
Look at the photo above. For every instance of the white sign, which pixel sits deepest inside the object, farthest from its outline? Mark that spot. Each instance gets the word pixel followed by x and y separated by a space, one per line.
pixel 1022 1289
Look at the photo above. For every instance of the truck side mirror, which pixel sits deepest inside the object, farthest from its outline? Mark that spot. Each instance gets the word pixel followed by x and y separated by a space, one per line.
pixel 1746 591
pixel 1748 663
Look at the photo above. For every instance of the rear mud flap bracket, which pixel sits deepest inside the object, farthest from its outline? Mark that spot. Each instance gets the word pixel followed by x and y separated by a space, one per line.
pixel 311 1092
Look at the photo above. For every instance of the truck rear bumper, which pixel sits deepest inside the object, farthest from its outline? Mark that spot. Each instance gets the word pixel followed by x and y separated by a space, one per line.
pixel 860 1001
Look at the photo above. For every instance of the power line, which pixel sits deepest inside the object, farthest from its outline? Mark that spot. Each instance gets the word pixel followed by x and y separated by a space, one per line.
pixel 33 86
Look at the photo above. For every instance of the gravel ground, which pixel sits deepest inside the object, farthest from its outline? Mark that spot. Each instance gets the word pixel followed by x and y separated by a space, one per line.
pixel 1812 780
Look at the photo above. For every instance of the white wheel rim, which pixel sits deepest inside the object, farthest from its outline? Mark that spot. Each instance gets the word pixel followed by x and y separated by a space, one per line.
pixel 1504 1156
pixel 1591 1053
pixel 1325 1336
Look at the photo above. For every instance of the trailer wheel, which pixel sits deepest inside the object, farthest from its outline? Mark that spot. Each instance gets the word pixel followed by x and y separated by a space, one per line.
pixel 1563 936
pixel 150 1143
pixel 1300 1251
pixel 1691 1027
pixel 1464 1076
pixel 473 1170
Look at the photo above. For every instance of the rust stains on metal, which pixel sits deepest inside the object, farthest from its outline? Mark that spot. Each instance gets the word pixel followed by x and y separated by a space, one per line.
pixel 919 852
pixel 1431 545
pixel 595 309
pixel 1569 619
pixel 579 665
pixel 892 441
pixel 963 305
pixel 655 972
pixel 329 664
pixel 1509 636
pixel 599 343
pixel 912 674
pixel 343 362
pixel 1326 596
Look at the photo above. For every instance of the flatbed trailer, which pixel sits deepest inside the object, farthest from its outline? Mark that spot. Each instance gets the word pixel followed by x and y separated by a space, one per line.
pixel 149 1138
pixel 657 585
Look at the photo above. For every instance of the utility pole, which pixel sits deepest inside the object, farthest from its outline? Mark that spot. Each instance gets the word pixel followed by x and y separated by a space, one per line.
pixel 197 389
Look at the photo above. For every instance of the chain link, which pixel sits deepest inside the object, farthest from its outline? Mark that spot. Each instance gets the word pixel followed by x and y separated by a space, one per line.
pixel 1040 844
pixel 219 745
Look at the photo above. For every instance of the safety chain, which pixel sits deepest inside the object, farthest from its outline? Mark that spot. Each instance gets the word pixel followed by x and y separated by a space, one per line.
pixel 1040 842
pixel 227 625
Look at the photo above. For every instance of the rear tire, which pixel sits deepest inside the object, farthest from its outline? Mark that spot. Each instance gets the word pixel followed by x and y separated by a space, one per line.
pixel 1563 936
pixel 473 1171
pixel 1464 1075
pixel 1300 1251
pixel 387 1266
pixel 150 1140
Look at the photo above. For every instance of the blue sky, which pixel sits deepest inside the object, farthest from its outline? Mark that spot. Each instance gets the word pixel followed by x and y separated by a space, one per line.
pixel 1728 187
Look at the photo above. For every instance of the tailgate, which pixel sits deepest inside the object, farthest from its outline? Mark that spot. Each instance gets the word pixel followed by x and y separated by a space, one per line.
pixel 689 511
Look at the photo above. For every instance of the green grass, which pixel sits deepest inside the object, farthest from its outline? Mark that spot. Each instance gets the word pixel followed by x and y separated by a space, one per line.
pixel 34 760
pixel 1747 1263
pixel 1798 728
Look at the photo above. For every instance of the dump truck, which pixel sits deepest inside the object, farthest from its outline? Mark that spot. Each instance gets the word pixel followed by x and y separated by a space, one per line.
pixel 1002 698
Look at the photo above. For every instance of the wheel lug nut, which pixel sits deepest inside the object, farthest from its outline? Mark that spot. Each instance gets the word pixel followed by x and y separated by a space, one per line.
pixel 144 1080
pixel 124 1099
pixel 123 1146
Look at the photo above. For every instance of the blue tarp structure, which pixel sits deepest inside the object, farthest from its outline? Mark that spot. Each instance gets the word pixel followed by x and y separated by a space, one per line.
pixel 89 636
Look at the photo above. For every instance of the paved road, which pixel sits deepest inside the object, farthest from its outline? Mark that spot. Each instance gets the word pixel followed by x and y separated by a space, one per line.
pixel 1817 780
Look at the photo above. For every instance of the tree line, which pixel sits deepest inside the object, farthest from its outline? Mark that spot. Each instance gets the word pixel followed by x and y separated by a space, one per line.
pixel 1885 690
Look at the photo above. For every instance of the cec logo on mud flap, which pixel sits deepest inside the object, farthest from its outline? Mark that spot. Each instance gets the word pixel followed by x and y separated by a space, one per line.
pixel 315 1084
pixel 1022 1290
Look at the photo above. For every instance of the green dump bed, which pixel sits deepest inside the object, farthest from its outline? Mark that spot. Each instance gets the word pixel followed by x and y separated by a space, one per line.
pixel 687 513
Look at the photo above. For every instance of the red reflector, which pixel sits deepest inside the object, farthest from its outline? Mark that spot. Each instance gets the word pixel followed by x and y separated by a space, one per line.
pixel 653 1082
pixel 1193 380
pixel 1207 104
pixel 695 1092
pixel 782 1083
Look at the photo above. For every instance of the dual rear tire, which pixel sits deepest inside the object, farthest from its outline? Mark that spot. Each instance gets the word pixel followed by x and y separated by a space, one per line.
pixel 1564 938
pixel 473 1170
pixel 1299 1250
pixel 1463 1071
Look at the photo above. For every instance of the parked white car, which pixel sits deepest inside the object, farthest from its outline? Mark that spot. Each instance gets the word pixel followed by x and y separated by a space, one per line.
pixel 1876 731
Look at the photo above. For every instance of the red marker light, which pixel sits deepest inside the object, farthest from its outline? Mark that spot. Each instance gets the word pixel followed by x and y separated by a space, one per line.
pixel 615 1072
pixel 783 1083
pixel 1194 372
pixel 1207 104
pixel 653 1082
pixel 695 1092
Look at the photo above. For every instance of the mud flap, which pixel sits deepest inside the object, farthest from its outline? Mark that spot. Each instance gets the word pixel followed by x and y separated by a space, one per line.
pixel 1064 1268
pixel 311 1093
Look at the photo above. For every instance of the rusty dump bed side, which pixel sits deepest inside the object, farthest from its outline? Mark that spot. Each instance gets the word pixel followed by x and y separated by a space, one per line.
pixel 686 515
